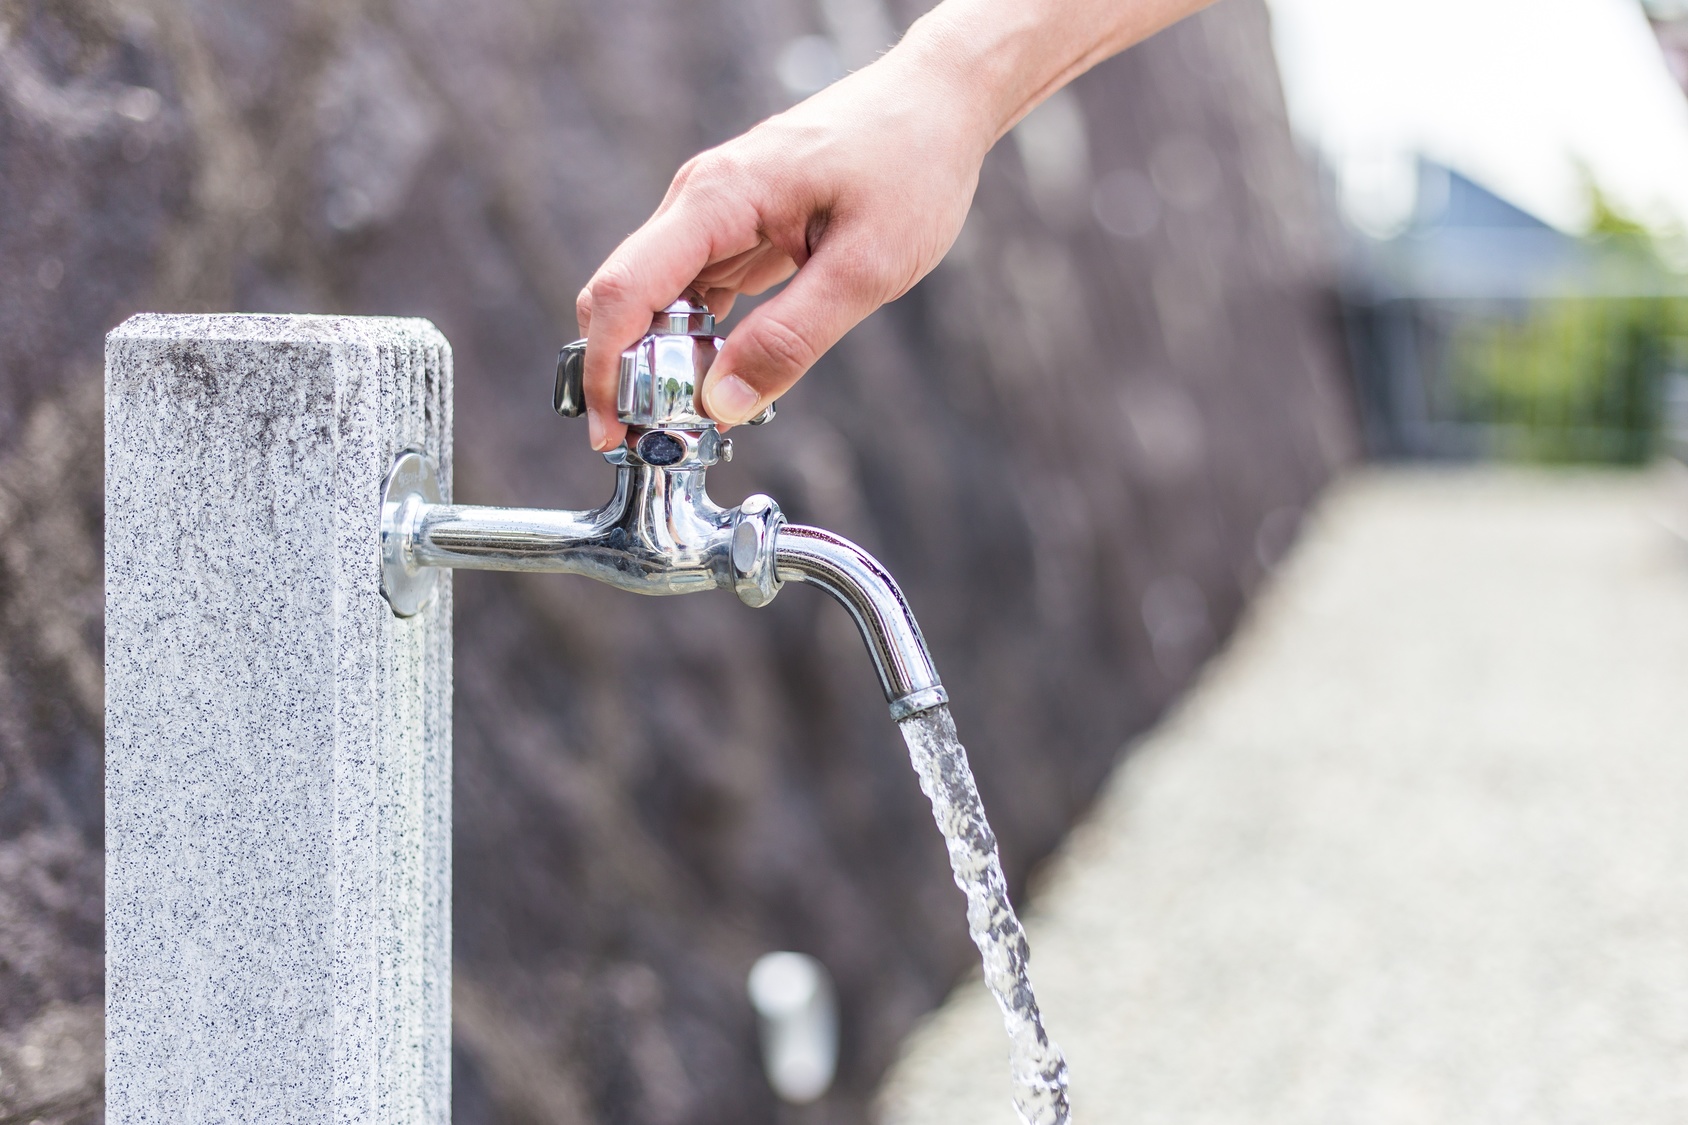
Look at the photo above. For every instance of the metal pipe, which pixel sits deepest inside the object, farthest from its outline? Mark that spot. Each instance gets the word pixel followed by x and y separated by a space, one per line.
pixel 866 589
pixel 658 534
pixel 481 538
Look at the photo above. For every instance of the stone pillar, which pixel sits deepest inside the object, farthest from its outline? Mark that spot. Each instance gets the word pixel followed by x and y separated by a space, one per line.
pixel 278 744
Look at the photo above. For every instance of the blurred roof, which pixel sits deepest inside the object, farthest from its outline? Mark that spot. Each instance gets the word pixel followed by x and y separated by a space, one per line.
pixel 1465 242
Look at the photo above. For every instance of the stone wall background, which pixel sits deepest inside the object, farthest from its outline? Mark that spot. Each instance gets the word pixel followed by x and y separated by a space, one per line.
pixel 1078 445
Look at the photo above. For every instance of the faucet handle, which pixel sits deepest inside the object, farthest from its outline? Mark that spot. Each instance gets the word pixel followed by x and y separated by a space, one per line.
pixel 570 395
pixel 660 375
pixel 689 316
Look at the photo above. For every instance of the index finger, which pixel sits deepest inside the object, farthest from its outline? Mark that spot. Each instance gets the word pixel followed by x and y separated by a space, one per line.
pixel 643 276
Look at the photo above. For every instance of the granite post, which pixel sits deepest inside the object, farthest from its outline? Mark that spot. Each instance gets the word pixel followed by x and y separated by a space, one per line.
pixel 278 744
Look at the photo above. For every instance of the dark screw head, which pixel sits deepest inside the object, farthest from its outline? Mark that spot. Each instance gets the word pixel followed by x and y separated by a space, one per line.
pixel 659 447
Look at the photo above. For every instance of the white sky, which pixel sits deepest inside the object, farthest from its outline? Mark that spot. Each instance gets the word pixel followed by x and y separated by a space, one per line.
pixel 1510 92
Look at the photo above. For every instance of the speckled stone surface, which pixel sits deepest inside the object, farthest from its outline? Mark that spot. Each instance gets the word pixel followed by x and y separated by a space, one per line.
pixel 1414 852
pixel 278 744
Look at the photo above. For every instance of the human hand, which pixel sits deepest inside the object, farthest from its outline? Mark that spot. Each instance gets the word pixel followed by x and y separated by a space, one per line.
pixel 854 195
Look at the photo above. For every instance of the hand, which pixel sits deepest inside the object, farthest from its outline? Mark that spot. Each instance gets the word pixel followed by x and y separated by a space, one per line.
pixel 854 194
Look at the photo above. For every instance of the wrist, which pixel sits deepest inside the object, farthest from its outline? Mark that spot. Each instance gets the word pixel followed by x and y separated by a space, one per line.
pixel 927 74
pixel 981 55
pixel 1006 56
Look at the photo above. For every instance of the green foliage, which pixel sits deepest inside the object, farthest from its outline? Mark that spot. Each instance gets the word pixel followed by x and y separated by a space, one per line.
pixel 1607 222
pixel 1571 379
pixel 1577 378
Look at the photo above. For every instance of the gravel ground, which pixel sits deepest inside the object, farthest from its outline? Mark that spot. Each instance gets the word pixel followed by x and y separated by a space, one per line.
pixel 1414 850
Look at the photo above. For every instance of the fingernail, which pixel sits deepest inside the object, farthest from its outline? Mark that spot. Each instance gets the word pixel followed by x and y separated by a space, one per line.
pixel 595 429
pixel 731 400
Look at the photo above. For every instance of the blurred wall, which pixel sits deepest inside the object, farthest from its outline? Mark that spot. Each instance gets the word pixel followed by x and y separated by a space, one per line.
pixel 1078 445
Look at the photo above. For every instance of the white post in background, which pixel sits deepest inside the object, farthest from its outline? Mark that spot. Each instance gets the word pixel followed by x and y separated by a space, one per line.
pixel 278 744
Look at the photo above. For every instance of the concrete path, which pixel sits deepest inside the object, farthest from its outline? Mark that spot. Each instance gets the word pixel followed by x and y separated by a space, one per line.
pixel 1414 852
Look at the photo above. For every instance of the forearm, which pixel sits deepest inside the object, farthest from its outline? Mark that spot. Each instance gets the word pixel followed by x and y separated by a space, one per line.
pixel 1011 54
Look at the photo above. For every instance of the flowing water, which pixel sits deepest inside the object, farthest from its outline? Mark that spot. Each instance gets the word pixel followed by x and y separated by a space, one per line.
pixel 1038 1070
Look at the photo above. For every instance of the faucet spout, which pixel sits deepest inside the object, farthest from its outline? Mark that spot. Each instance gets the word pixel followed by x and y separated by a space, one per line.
pixel 866 589
pixel 659 533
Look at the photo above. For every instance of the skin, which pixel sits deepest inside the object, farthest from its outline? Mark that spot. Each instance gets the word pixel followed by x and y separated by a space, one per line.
pixel 852 196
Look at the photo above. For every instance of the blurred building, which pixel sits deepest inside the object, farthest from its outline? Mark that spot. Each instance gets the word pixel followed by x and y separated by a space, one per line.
pixel 1479 330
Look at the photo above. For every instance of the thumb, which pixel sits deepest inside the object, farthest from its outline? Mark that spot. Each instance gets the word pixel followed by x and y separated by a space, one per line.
pixel 782 339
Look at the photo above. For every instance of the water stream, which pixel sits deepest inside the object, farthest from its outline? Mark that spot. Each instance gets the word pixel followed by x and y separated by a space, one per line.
pixel 1036 1065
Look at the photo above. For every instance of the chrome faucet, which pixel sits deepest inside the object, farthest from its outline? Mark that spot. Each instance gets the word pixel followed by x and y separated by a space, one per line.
pixel 660 533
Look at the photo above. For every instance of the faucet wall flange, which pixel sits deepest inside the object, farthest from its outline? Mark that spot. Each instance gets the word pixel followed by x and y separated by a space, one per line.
pixel 412 485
